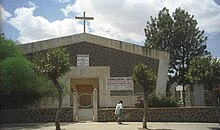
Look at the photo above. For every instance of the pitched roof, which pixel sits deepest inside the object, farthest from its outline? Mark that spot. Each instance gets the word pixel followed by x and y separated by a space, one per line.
pixel 94 39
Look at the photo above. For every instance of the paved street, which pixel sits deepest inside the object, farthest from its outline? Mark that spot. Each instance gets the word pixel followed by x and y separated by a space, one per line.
pixel 114 126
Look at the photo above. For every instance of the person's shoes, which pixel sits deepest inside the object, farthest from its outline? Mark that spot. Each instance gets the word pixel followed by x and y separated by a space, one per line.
pixel 119 123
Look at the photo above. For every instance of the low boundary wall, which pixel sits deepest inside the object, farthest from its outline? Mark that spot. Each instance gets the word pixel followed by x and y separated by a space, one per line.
pixel 172 114
pixel 34 115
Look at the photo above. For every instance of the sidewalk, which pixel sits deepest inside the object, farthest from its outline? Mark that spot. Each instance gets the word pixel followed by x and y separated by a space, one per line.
pixel 114 126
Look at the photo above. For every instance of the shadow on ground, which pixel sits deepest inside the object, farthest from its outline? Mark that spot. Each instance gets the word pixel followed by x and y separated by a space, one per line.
pixel 24 126
pixel 214 128
pixel 28 126
pixel 153 129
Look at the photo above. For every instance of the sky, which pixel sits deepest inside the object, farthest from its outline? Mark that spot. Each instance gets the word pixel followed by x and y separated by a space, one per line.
pixel 33 20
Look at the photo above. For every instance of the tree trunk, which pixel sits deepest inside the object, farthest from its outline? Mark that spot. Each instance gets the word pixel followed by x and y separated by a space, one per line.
pixel 145 110
pixel 58 113
pixel 183 76
pixel 215 103
pixel 184 95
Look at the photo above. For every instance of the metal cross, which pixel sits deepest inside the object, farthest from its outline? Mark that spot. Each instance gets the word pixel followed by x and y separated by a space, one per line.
pixel 84 20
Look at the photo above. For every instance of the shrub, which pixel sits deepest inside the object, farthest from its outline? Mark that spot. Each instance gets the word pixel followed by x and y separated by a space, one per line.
pixel 157 102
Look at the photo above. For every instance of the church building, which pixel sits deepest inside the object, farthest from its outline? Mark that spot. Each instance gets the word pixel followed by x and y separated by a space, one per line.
pixel 101 70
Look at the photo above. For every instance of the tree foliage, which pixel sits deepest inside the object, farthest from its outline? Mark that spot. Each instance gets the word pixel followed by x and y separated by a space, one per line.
pixel 155 101
pixel 53 64
pixel 179 35
pixel 21 85
pixel 146 78
pixel 206 71
pixel 8 48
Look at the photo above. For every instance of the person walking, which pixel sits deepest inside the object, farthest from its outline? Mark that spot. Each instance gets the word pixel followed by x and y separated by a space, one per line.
pixel 119 111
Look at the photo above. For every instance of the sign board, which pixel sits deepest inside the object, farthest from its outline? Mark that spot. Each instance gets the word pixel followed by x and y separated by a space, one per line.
pixel 119 83
pixel 82 60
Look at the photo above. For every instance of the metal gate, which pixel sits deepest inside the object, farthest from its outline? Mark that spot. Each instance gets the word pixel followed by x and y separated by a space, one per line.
pixel 85 102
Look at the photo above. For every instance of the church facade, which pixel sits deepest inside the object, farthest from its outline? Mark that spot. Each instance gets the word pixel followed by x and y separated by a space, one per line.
pixel 101 71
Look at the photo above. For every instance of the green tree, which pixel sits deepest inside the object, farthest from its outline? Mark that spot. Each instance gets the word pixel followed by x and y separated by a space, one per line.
pixel 54 64
pixel 179 35
pixel 146 78
pixel 8 48
pixel 206 71
pixel 18 78
pixel 14 89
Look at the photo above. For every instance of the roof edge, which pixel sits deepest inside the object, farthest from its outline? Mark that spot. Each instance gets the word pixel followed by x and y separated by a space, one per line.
pixel 85 37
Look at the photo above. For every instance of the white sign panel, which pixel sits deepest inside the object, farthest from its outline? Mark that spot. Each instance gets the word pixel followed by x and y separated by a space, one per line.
pixel 119 83
pixel 82 60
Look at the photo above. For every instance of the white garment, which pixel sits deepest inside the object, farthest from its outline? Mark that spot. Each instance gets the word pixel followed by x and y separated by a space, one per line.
pixel 117 108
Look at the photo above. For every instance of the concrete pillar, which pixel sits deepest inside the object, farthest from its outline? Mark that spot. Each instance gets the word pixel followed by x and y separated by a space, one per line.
pixel 95 105
pixel 162 74
pixel 75 105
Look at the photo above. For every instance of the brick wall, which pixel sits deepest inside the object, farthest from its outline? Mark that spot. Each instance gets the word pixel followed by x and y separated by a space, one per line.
pixel 191 114
pixel 121 63
pixel 34 115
